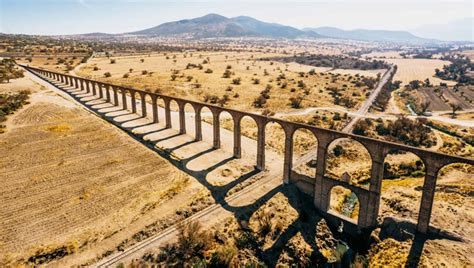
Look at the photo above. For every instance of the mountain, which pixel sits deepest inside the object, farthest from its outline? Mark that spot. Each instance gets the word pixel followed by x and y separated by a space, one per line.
pixel 214 25
pixel 370 35
pixel 459 30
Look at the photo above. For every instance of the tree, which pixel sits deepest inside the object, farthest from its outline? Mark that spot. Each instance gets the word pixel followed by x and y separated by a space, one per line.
pixel 424 107
pixel 454 108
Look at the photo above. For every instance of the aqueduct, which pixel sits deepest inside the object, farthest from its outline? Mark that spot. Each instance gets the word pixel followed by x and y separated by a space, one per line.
pixel 318 186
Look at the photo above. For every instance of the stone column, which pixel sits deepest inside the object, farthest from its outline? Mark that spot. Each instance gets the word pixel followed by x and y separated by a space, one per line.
pixel 237 137
pixel 143 101
pixel 376 175
pixel 76 83
pixel 154 106
pixel 101 88
pixel 216 130
pixel 134 102
pixel 167 112
pixel 288 161
pixel 124 98
pixel 88 90
pixel 107 92
pixel 261 144
pixel 427 198
pixel 198 123
pixel 320 198
pixel 182 118
pixel 82 84
pixel 94 89
pixel 116 101
pixel 62 78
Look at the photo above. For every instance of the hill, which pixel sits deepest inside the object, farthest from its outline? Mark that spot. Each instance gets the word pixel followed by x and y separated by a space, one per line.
pixel 370 35
pixel 214 25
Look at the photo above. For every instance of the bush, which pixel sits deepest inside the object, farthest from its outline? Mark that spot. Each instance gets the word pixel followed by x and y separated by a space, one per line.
pixel 338 150
pixel 107 74
pixel 126 75
pixel 144 72
pixel 112 61
pixel 259 102
pixel 227 74
pixel 96 68
pixel 295 102
pixel 236 81
pixel 208 71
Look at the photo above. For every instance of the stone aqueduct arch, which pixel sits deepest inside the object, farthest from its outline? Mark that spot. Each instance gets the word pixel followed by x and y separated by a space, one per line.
pixel 318 186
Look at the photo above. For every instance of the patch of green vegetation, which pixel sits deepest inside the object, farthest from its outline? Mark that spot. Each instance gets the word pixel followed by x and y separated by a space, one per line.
pixel 9 103
pixel 8 71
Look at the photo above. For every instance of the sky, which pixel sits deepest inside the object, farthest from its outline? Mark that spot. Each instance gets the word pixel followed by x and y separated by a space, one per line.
pixel 51 17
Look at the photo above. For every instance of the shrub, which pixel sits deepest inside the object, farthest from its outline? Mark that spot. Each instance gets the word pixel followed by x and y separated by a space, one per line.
pixel 338 150
pixel 208 71
pixel 259 102
pixel 112 61
pixel 227 74
pixel 107 74
pixel 144 72
pixel 236 81
pixel 295 102
pixel 125 75
pixel 96 68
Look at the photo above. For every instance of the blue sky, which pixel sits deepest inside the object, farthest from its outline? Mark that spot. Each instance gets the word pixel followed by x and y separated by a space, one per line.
pixel 115 16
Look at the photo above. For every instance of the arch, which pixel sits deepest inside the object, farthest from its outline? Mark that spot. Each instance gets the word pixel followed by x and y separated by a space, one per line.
pixel 171 113
pixel 247 128
pixel 275 136
pixel 226 123
pixel 190 112
pixel 403 178
pixel 348 160
pixel 207 116
pixel 343 203
pixel 304 142
pixel 453 193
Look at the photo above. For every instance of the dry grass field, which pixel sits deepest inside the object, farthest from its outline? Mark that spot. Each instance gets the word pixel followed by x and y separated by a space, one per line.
pixel 170 74
pixel 56 63
pixel 70 181
pixel 418 69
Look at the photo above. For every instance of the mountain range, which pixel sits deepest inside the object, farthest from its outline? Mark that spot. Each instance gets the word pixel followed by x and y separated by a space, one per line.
pixel 215 26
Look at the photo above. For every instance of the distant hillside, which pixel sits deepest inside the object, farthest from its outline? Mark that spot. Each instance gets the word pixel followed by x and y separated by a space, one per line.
pixel 214 25
pixel 459 30
pixel 370 35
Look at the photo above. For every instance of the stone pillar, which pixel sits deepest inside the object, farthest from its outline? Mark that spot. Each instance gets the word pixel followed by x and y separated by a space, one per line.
pixel 116 101
pixel 427 198
pixel 62 78
pixel 182 118
pixel 154 107
pixel 167 113
pixel 261 144
pixel 320 198
pixel 94 89
pixel 237 137
pixel 134 101
pixel 76 83
pixel 82 84
pixel 216 130
pixel 143 101
pixel 107 92
pixel 101 92
pixel 376 175
pixel 288 160
pixel 88 90
pixel 198 123
pixel 124 98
